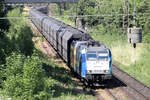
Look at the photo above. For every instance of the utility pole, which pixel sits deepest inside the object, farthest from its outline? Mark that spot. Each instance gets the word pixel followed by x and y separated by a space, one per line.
pixel 125 18
pixel 61 9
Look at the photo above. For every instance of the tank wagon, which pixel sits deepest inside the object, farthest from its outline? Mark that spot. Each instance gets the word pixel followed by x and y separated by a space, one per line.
pixel 88 58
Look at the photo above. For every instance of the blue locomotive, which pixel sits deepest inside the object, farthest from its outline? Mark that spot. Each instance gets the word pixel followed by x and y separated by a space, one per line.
pixel 88 58
pixel 93 63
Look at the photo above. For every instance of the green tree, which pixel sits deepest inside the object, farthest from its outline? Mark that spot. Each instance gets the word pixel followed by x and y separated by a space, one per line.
pixel 20 33
pixel 106 15
pixel 88 7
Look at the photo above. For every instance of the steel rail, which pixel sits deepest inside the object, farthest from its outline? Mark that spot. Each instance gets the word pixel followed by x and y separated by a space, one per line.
pixel 131 82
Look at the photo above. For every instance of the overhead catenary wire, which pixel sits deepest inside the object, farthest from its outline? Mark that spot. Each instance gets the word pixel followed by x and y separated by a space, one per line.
pixel 79 16
pixel 82 16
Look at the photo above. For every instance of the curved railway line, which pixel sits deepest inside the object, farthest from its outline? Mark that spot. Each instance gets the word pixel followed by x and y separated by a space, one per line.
pixel 121 87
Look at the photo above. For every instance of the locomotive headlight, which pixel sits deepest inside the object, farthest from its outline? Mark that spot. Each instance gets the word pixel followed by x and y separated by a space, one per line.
pixel 107 71
pixel 89 71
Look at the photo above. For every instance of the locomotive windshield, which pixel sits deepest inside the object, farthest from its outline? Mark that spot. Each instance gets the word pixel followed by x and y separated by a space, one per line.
pixel 91 55
pixel 103 58
pixel 99 55
pixel 102 55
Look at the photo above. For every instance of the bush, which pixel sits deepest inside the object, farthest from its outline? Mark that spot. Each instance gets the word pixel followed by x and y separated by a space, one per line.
pixel 13 86
pixel 15 64
pixel 24 76
pixel 33 76
pixel 13 74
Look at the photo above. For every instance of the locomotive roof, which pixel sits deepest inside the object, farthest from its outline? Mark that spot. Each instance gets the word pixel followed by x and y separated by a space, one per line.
pixel 97 48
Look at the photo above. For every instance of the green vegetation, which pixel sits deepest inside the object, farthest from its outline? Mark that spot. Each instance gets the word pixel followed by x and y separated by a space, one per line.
pixel 139 67
pixel 106 26
pixel 23 39
pixel 25 72
pixel 133 61
pixel 66 21
pixel 70 10
pixel 35 78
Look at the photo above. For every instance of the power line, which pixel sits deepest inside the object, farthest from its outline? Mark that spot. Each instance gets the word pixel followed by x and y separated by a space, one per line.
pixel 74 16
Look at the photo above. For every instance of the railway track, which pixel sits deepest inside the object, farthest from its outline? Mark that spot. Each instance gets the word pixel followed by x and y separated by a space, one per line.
pixel 117 90
pixel 131 82
pixel 122 86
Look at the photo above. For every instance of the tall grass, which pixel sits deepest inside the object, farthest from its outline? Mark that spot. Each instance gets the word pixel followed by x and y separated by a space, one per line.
pixel 140 69
pixel 126 54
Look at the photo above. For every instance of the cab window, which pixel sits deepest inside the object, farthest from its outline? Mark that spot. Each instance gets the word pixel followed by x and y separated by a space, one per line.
pixel 102 55
pixel 91 56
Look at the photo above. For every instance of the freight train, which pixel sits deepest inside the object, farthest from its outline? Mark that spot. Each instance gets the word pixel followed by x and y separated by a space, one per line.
pixel 91 60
